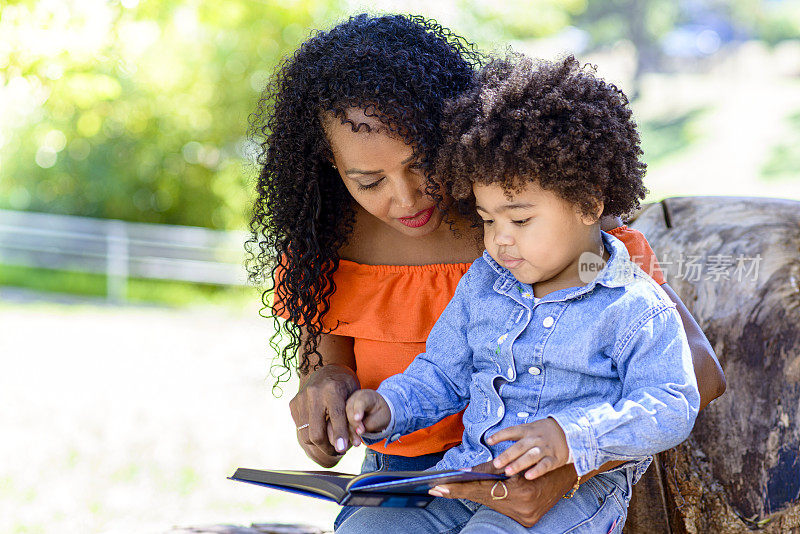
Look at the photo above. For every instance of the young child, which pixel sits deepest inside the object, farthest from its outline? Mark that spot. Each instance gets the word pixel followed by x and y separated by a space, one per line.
pixel 559 347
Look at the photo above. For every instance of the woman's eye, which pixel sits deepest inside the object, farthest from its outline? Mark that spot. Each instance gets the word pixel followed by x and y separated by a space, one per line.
pixel 522 222
pixel 364 187
pixel 487 222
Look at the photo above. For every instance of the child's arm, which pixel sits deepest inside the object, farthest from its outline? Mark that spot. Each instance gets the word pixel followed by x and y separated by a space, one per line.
pixel 436 383
pixel 659 401
pixel 367 411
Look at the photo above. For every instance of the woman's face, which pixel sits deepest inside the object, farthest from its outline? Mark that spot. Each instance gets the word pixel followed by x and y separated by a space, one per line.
pixel 382 175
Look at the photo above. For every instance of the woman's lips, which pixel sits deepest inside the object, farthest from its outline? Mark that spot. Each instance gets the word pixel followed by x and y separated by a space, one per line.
pixel 418 219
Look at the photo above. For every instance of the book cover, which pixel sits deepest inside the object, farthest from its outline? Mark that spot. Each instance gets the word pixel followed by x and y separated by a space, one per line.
pixel 379 488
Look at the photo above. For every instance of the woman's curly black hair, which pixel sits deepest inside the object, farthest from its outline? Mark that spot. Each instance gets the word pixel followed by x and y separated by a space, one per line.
pixel 553 122
pixel 399 69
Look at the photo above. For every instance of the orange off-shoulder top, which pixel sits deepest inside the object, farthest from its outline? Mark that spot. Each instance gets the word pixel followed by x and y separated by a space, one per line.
pixel 389 310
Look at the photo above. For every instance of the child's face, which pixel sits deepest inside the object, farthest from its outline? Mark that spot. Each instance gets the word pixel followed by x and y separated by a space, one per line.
pixel 536 234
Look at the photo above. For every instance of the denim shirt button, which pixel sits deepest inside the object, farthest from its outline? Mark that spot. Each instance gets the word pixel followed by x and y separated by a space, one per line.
pixel 534 370
pixel 548 322
pixel 500 411
pixel 511 373
pixel 523 415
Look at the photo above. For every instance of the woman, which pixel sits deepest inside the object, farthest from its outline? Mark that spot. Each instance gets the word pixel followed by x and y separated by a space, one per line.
pixel 352 233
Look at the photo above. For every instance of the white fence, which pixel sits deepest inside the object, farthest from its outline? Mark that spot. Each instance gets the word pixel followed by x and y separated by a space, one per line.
pixel 122 250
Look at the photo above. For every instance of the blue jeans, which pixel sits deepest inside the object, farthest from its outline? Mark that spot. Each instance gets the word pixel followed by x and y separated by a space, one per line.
pixel 598 507
pixel 376 461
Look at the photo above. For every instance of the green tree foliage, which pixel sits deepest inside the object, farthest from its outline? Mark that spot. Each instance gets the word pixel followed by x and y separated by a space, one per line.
pixel 643 23
pixel 517 19
pixel 770 21
pixel 138 111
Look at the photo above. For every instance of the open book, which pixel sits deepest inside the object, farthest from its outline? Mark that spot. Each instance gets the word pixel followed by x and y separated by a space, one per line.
pixel 380 488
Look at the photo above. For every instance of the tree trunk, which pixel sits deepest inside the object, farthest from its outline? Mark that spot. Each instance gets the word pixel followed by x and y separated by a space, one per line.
pixel 735 262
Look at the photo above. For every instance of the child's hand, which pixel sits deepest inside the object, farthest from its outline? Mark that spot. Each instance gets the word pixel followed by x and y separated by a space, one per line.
pixel 541 444
pixel 367 411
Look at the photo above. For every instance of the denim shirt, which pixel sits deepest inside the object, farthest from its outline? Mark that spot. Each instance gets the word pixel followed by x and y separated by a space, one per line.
pixel 608 361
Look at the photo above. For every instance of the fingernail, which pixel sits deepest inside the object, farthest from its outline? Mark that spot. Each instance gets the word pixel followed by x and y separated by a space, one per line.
pixel 340 445
pixel 435 493
pixel 441 489
pixel 497 464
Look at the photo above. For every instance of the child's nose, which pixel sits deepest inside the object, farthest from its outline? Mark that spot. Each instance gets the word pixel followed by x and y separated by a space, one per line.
pixel 503 238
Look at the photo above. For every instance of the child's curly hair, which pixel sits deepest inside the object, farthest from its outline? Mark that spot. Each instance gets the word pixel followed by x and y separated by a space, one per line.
pixel 399 69
pixel 553 122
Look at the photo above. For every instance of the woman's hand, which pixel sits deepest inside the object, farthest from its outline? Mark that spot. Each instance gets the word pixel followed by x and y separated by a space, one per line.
pixel 318 411
pixel 527 500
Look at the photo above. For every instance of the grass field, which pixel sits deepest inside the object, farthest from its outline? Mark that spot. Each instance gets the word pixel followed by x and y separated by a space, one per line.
pixel 143 291
pixel 129 420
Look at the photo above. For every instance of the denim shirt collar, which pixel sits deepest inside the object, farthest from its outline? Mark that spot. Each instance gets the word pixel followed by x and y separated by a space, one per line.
pixel 616 273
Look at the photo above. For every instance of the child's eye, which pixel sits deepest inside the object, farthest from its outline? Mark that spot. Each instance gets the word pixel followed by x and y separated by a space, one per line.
pixel 364 187
pixel 522 222
pixel 487 222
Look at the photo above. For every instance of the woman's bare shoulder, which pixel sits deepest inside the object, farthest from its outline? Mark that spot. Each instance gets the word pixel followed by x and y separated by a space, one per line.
pixel 375 243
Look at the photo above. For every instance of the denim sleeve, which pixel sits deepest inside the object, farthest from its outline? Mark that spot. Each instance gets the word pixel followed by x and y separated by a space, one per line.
pixel 436 383
pixel 659 400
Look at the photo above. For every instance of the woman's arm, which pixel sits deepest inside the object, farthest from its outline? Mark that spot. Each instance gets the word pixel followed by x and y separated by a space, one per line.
pixel 320 401
pixel 710 378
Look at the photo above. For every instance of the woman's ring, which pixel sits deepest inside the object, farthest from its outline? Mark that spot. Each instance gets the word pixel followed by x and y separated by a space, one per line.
pixel 505 491
pixel 301 427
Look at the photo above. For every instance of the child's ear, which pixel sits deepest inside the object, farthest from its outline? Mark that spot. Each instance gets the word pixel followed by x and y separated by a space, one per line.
pixel 593 217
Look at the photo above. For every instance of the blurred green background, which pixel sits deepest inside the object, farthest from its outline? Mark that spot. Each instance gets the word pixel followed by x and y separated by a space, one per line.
pixel 137 109
pixel 129 418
